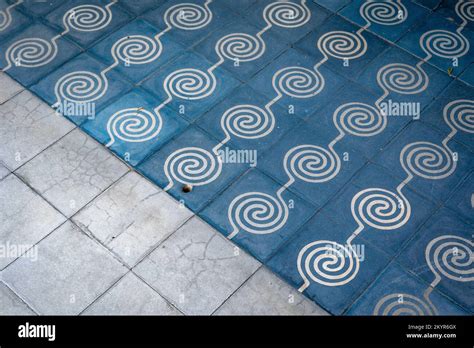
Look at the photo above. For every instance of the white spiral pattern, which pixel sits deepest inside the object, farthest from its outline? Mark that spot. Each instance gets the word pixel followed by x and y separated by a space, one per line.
pixel 402 78
pixel 460 115
pixel 5 20
pixel 451 256
pixel 188 16
pixel 87 18
pixel 359 119
pixel 134 125
pixel 31 52
pixel 190 84
pixel 80 87
pixel 403 304
pixel 248 121
pixel 298 82
pixel 380 209
pixel 287 14
pixel 311 163
pixel 240 47
pixel 327 263
pixel 342 45
pixel 445 44
pixel 257 213
pixel 384 12
pixel 137 49
pixel 192 166
pixel 465 10
pixel 427 160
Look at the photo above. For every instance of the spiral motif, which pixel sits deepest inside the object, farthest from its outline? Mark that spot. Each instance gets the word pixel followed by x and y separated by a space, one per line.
pixel 257 213
pixel 327 263
pixel 381 209
pixel 298 82
pixel 342 45
pixel 31 52
pixel 402 78
pixel 465 10
pixel 5 20
pixel 190 84
pixel 427 160
pixel 384 12
pixel 134 125
pixel 451 256
pixel 286 14
pixel 460 114
pixel 359 119
pixel 248 121
pixel 137 49
pixel 403 304
pixel 311 163
pixel 80 87
pixel 445 44
pixel 188 16
pixel 87 18
pixel 240 47
pixel 192 165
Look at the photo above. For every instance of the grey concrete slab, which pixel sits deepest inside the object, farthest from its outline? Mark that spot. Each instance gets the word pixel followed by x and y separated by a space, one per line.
pixel 3 171
pixel 27 127
pixel 131 296
pixel 11 304
pixel 196 268
pixel 266 294
pixel 9 87
pixel 73 171
pixel 25 219
pixel 71 271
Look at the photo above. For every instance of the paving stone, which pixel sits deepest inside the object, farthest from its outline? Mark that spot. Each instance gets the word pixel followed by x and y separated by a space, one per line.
pixel 196 268
pixel 11 304
pixel 9 88
pixel 132 217
pixel 72 172
pixel 3 171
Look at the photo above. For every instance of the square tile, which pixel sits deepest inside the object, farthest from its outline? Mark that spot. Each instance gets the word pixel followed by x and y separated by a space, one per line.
pixel 10 88
pixel 132 217
pixel 196 268
pixel 462 200
pixel 72 172
pixel 28 127
pixel 131 296
pixel 12 20
pixel 25 219
pixel 257 214
pixel 190 159
pixel 11 304
pixel 134 127
pixel 139 50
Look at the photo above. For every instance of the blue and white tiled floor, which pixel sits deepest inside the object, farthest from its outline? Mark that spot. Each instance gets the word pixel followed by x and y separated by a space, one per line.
pixel 331 140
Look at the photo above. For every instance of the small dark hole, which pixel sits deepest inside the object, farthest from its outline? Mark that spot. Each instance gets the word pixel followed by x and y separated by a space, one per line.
pixel 187 188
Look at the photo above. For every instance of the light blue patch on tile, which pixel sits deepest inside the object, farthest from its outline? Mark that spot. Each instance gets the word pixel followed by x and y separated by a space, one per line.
pixel 462 200
pixel 333 5
pixel 132 128
pixel 137 7
pixel 140 54
pixel 191 89
pixel 324 239
pixel 396 292
pixel 11 20
pixel 448 243
pixel 436 170
pixel 78 90
pixel 193 161
pixel 292 82
pixel 258 228
pixel 37 8
pixel 49 51
pixel 107 17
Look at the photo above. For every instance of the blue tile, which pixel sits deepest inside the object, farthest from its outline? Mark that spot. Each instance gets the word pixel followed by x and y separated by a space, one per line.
pixel 292 82
pixel 74 19
pixel 58 89
pixel 240 6
pixel 431 169
pixel 139 44
pixel 431 4
pixel 191 88
pixel 350 268
pixel 449 10
pixel 333 5
pixel 11 20
pixel 462 200
pixel 37 8
pixel 441 254
pixel 228 54
pixel 132 127
pixel 468 75
pixel 137 7
pixel 396 292
pixel 255 216
pixel 48 51
pixel 389 19
pixel 348 58
pixel 189 159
